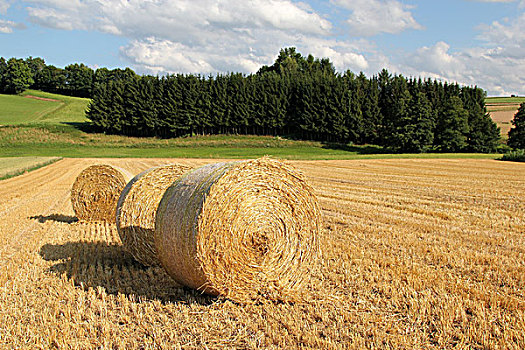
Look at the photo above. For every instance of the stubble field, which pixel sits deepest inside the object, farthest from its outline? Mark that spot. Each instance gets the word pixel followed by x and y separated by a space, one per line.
pixel 415 254
pixel 502 114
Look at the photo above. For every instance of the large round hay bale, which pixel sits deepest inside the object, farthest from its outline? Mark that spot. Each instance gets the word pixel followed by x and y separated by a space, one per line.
pixel 96 190
pixel 137 207
pixel 245 230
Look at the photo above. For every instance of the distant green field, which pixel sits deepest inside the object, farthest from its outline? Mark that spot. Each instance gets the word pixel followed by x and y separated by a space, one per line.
pixel 14 166
pixel 20 109
pixel 296 153
pixel 65 141
pixel 505 99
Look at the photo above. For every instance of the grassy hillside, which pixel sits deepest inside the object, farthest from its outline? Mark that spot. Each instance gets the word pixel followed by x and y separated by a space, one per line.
pixel 20 110
pixel 31 108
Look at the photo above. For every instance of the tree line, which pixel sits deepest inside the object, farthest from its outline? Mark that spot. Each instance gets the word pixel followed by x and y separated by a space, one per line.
pixel 77 79
pixel 298 96
pixel 304 97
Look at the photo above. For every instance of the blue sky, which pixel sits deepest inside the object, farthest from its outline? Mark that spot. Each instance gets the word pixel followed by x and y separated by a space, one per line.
pixel 472 42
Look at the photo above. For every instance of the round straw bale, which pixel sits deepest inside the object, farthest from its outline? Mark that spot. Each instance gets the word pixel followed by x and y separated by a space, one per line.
pixel 246 230
pixel 96 190
pixel 137 207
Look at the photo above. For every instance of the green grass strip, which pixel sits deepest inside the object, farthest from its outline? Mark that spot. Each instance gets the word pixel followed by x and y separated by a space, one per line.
pixel 505 99
pixel 28 169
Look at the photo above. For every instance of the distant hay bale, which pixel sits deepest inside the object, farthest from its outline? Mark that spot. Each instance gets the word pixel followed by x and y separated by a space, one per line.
pixel 96 190
pixel 246 230
pixel 137 207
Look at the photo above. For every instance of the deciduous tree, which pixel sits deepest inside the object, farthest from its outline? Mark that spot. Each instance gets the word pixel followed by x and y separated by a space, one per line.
pixel 17 76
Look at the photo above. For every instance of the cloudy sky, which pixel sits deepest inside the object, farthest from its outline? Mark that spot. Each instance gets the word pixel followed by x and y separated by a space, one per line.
pixel 473 42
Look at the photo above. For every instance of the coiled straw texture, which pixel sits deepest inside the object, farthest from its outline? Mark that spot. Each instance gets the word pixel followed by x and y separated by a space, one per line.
pixel 137 207
pixel 96 190
pixel 246 230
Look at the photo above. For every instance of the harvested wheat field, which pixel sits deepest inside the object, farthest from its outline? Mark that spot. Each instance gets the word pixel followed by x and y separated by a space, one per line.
pixel 414 254
pixel 502 114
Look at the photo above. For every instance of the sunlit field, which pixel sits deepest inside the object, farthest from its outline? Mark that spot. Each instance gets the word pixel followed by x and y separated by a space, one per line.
pixel 415 253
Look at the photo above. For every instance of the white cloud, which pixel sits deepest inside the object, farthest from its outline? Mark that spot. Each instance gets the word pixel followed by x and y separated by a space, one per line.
pixel 509 34
pixel 164 56
pixel 203 36
pixel 176 20
pixel 153 55
pixel 438 61
pixel 4 5
pixel 60 20
pixel 489 68
pixel 371 17
pixel 342 54
pixel 495 65
pixel 209 36
pixel 7 27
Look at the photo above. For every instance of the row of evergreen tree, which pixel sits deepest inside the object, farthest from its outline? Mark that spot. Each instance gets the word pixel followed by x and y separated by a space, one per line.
pixel 296 96
pixel 304 97
pixel 517 133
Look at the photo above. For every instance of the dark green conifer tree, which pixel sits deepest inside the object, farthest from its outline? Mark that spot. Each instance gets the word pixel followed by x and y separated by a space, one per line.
pixel 117 113
pixel 372 117
pixel 99 108
pixel 204 106
pixel 450 134
pixel 484 134
pixel 353 101
pixel 517 133
pixel 413 130
pixel 3 70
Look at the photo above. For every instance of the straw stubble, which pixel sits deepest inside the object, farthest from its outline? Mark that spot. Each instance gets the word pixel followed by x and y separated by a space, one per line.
pixel 246 230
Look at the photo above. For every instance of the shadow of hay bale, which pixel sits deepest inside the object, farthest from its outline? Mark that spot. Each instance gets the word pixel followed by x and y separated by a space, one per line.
pixel 99 264
pixel 55 217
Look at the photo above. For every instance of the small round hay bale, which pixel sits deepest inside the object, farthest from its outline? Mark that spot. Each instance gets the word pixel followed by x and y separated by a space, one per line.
pixel 246 230
pixel 96 190
pixel 137 207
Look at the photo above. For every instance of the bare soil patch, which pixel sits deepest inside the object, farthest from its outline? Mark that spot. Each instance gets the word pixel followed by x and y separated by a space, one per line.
pixel 503 116
pixel 41 98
